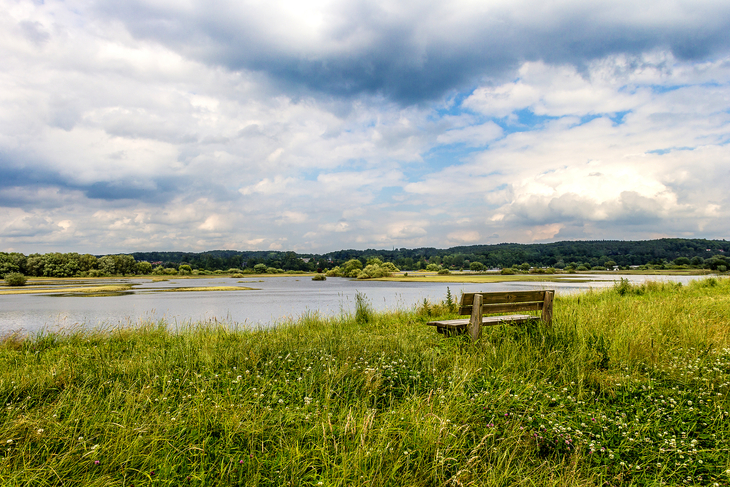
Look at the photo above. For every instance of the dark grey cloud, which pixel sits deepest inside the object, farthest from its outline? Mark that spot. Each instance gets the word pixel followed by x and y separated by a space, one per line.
pixel 418 53
pixel 33 178
pixel 34 32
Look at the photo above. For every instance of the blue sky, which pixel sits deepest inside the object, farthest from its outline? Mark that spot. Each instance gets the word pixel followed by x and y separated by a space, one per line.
pixel 316 126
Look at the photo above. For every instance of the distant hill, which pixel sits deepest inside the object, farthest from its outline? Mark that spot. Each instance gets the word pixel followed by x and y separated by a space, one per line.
pixel 556 254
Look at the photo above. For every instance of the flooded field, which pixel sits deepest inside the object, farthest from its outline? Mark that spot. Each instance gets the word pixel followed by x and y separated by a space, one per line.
pixel 247 302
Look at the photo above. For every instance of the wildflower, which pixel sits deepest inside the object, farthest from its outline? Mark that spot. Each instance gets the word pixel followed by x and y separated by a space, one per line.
pixel 81 438
pixel 241 462
pixel 96 462
pixel 9 441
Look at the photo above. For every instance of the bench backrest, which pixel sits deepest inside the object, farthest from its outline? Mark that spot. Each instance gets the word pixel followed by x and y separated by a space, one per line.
pixel 511 301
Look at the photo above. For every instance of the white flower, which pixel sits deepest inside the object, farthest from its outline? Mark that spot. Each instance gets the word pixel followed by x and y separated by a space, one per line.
pixel 81 438
pixel 9 441
pixel 39 430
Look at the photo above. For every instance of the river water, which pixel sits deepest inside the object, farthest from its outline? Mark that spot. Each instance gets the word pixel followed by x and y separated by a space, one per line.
pixel 274 299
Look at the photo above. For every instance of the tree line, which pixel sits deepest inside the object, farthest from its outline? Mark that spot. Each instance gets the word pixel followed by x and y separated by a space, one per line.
pixel 579 255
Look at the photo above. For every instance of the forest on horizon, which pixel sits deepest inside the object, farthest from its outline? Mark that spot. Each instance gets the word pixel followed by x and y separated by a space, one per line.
pixel 652 254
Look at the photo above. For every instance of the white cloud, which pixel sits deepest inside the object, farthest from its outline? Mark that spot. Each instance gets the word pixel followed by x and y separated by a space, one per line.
pixel 464 236
pixel 118 137
pixel 292 217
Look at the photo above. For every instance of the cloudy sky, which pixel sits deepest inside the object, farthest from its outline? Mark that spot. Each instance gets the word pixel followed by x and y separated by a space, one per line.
pixel 320 125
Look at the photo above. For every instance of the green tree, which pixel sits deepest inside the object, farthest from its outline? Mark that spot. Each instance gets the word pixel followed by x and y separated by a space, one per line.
pixel 108 265
pixel 477 266
pixel 144 268
pixel 126 264
pixel 352 268
pixel 88 262
pixel 11 262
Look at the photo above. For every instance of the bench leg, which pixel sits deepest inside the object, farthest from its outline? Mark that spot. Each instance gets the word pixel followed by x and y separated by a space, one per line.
pixel 475 322
pixel 547 308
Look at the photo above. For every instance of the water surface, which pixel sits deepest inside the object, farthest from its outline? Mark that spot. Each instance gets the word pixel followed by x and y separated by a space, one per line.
pixel 275 298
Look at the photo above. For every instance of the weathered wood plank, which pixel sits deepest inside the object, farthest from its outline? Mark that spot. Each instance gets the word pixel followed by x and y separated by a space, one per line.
pixel 486 321
pixel 504 308
pixel 503 297
pixel 547 309
pixel 475 323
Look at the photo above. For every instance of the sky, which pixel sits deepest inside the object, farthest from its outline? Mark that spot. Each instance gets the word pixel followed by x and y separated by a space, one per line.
pixel 314 126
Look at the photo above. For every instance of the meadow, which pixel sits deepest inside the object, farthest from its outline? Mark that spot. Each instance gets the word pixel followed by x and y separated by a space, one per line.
pixel 628 387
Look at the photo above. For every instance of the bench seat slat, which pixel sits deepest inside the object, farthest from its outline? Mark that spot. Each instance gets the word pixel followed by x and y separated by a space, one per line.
pixel 486 320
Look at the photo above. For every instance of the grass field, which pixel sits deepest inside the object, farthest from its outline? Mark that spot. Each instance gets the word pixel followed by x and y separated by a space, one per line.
pixel 629 387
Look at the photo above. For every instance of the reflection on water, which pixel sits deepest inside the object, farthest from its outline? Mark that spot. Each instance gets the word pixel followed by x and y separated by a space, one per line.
pixel 275 299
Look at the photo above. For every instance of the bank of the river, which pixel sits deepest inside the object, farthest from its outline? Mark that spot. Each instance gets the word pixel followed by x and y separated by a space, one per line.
pixel 629 387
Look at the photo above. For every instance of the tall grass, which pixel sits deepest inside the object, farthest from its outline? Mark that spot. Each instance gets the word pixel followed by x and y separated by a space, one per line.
pixel 628 387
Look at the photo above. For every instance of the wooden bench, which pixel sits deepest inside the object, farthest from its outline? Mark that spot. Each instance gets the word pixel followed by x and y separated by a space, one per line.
pixel 476 305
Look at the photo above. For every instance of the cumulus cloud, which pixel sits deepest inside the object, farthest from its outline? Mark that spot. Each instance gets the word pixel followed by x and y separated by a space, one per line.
pixel 315 126
pixel 416 52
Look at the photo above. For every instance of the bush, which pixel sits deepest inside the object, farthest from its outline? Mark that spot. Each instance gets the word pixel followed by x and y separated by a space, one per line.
pixel 334 272
pixel 15 279
pixel 319 277
pixel 507 271
pixel 377 269
pixel 444 272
